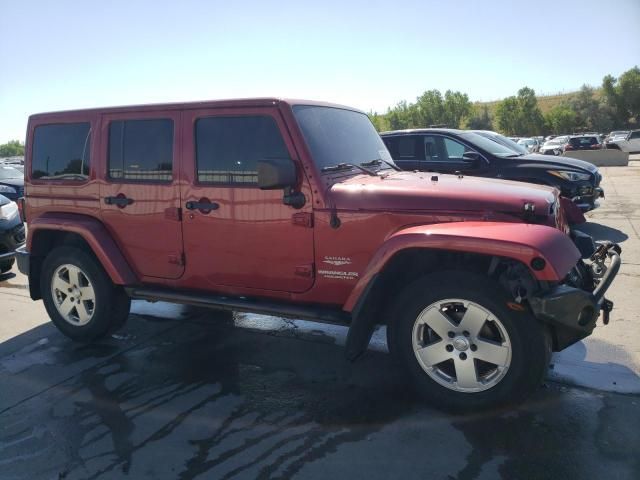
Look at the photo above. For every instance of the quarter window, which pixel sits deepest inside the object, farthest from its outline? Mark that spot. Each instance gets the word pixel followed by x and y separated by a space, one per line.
pixel 61 151
pixel 228 148
pixel 141 150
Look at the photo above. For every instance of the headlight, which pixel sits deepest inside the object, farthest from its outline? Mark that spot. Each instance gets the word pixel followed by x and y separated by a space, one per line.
pixel 571 176
pixel 7 189
pixel 8 211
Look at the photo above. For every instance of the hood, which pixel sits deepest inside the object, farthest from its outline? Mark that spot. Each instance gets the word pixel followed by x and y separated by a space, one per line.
pixel 14 182
pixel 408 191
pixel 556 162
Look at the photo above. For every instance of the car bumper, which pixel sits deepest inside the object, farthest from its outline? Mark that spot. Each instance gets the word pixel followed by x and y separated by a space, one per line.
pixel 22 257
pixel 586 197
pixel 574 312
pixel 12 236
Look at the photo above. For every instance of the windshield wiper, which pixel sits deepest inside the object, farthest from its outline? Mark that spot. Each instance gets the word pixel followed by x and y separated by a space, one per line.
pixel 379 161
pixel 345 166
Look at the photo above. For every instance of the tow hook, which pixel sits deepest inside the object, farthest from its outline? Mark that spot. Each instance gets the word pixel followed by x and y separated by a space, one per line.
pixel 607 306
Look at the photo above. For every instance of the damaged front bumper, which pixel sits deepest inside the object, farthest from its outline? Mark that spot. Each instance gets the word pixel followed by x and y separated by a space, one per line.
pixel 573 311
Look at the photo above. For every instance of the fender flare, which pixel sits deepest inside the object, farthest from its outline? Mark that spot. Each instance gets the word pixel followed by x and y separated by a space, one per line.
pixel 97 237
pixel 517 241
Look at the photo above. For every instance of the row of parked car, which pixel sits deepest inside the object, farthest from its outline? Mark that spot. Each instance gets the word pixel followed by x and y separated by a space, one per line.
pixel 301 209
pixel 627 141
pixel 484 153
pixel 12 233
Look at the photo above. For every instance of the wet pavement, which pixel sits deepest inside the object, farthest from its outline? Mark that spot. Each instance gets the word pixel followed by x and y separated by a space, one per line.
pixel 204 395
pixel 185 393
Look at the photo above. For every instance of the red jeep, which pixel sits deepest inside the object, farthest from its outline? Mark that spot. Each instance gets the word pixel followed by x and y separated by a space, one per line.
pixel 295 208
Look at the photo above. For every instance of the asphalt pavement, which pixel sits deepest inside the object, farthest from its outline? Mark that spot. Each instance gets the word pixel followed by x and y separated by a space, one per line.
pixel 187 393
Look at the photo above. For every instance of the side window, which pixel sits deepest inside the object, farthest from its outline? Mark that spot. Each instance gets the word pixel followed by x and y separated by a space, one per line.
pixel 431 149
pixel 228 148
pixel 634 135
pixel 61 151
pixel 141 150
pixel 453 149
pixel 404 147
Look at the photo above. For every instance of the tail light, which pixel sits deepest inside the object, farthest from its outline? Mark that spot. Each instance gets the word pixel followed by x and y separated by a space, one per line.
pixel 568 147
pixel 596 145
pixel 22 209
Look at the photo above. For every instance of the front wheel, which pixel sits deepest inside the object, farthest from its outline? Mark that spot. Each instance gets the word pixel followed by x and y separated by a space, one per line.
pixel 461 344
pixel 79 296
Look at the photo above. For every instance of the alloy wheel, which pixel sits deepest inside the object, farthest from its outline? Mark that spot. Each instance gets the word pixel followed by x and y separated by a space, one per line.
pixel 73 294
pixel 461 345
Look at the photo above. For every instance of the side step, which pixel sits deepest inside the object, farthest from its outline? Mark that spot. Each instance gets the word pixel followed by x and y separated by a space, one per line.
pixel 243 304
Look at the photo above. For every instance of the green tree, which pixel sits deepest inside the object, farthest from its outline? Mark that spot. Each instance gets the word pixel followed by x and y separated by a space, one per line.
pixel 429 109
pixel 401 116
pixel 530 116
pixel 591 113
pixel 561 119
pixel 520 115
pixel 508 116
pixel 622 96
pixel 456 107
pixel 478 119
pixel 379 121
pixel 13 148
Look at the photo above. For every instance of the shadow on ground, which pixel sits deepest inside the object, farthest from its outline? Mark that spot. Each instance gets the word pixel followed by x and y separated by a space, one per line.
pixel 601 232
pixel 200 398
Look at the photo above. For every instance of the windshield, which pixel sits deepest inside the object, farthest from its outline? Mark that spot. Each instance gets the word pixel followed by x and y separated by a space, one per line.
pixel 507 142
pixel 488 145
pixel 335 136
pixel 558 141
pixel 9 172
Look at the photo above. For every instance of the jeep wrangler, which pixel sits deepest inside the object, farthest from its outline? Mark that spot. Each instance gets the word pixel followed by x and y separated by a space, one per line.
pixel 295 208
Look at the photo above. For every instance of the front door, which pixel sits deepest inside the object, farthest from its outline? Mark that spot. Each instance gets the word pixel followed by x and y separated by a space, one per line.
pixel 140 196
pixel 235 234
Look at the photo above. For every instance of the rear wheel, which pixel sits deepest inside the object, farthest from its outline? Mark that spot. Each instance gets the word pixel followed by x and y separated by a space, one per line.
pixel 461 344
pixel 79 296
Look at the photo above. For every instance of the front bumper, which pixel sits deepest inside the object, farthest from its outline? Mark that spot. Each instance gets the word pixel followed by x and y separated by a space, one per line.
pixel 12 236
pixel 573 312
pixel 22 258
pixel 586 197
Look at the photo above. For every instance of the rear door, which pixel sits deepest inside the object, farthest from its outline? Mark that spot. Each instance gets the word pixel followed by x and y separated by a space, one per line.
pixel 247 237
pixel 140 196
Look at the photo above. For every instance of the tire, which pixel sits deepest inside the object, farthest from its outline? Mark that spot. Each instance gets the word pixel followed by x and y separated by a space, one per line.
pixel 73 281
pixel 451 372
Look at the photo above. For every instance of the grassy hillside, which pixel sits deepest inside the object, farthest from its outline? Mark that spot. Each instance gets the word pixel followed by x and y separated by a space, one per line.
pixel 545 102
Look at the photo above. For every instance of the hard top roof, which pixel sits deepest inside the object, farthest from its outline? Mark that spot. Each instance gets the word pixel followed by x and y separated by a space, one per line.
pixel 239 102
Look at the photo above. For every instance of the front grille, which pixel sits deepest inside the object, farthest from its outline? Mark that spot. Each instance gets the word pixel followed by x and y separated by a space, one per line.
pixel 585 191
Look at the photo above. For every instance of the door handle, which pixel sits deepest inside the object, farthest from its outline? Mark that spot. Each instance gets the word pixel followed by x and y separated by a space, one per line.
pixel 121 201
pixel 203 205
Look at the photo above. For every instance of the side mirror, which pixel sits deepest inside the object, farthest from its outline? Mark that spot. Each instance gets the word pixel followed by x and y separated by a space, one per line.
pixel 472 158
pixel 274 174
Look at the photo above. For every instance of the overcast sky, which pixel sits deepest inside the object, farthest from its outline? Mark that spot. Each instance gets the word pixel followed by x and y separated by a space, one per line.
pixel 60 54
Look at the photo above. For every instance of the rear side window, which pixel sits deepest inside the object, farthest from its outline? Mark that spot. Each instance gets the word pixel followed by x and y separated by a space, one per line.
pixel 228 148
pixel 61 151
pixel 141 150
